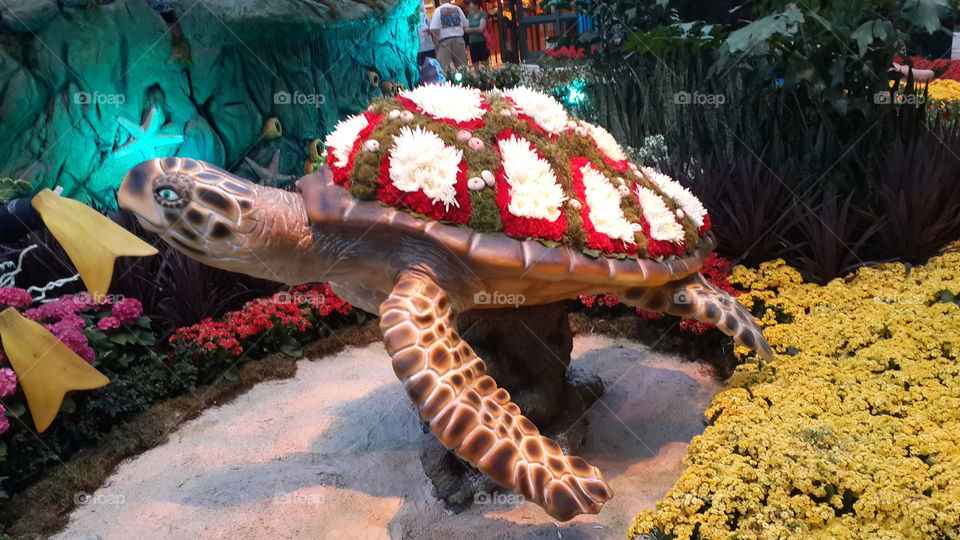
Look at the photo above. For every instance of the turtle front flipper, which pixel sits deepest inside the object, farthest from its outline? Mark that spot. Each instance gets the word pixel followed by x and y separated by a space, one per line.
pixel 696 298
pixel 470 414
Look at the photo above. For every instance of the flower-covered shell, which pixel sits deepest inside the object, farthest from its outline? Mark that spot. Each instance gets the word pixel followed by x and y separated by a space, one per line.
pixel 512 162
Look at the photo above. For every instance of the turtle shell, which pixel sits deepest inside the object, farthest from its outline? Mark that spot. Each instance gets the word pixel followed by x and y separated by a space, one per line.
pixel 512 162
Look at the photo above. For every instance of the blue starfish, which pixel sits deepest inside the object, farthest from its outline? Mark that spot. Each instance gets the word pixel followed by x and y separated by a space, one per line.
pixel 146 138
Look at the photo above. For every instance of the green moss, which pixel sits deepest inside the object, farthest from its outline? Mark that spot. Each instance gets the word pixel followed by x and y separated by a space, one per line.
pixel 486 215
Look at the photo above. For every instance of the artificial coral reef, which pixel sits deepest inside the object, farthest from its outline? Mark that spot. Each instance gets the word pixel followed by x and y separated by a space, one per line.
pixel 852 432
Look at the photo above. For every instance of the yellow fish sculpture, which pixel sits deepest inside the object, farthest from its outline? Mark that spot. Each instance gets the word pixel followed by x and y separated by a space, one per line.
pixel 46 368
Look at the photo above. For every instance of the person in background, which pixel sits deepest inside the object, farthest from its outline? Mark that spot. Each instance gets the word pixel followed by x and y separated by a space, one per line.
pixel 476 40
pixel 447 28
pixel 427 48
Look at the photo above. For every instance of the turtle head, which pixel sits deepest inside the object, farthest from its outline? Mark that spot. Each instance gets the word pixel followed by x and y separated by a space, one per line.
pixel 215 217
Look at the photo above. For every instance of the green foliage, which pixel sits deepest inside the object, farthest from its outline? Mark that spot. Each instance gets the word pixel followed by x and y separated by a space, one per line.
pixel 505 76
pixel 139 376
pixel 12 188
pixel 615 20
pixel 832 52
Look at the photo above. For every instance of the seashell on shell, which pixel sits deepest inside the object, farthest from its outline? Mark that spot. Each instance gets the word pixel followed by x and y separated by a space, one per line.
pixel 489 178
pixel 476 144
pixel 406 116
pixel 371 145
pixel 394 114
pixel 476 184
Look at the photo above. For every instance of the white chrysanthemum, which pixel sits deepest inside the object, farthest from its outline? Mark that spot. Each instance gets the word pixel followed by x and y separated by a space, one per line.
pixel 690 204
pixel 419 160
pixel 606 143
pixel 534 190
pixel 457 103
pixel 344 134
pixel 603 201
pixel 663 224
pixel 545 110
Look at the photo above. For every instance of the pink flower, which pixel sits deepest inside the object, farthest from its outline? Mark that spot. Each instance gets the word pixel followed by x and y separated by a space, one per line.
pixel 108 323
pixel 69 321
pixel 128 309
pixel 8 382
pixel 15 297
pixel 77 342
pixel 58 309
pixel 4 423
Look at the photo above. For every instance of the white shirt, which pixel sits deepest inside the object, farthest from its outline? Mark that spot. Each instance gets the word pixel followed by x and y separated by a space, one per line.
pixel 426 42
pixel 450 20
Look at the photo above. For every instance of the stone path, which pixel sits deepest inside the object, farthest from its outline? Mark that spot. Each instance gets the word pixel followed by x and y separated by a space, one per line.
pixel 333 453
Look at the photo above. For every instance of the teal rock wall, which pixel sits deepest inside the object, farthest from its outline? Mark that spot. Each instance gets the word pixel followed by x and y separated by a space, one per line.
pixel 89 89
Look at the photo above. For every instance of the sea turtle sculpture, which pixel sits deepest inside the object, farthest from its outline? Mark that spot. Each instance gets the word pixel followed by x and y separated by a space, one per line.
pixel 445 199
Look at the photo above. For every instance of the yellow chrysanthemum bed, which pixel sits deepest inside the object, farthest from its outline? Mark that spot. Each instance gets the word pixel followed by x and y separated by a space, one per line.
pixel 852 432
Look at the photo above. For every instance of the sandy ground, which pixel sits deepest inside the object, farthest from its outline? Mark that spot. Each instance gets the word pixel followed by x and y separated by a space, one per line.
pixel 333 453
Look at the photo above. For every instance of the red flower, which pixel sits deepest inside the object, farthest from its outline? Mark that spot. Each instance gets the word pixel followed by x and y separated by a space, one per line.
pixel 529 120
pixel 419 202
pixel 659 248
pixel 595 239
pixel 469 125
pixel 524 227
pixel 341 175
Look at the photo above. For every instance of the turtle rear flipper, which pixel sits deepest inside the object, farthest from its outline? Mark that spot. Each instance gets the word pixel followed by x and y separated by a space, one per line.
pixel 696 298
pixel 470 414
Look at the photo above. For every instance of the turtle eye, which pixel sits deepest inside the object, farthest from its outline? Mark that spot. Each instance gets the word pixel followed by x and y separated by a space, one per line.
pixel 167 196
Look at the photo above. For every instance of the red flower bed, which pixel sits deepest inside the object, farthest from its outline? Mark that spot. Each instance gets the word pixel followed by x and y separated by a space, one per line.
pixel 280 322
pixel 566 52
